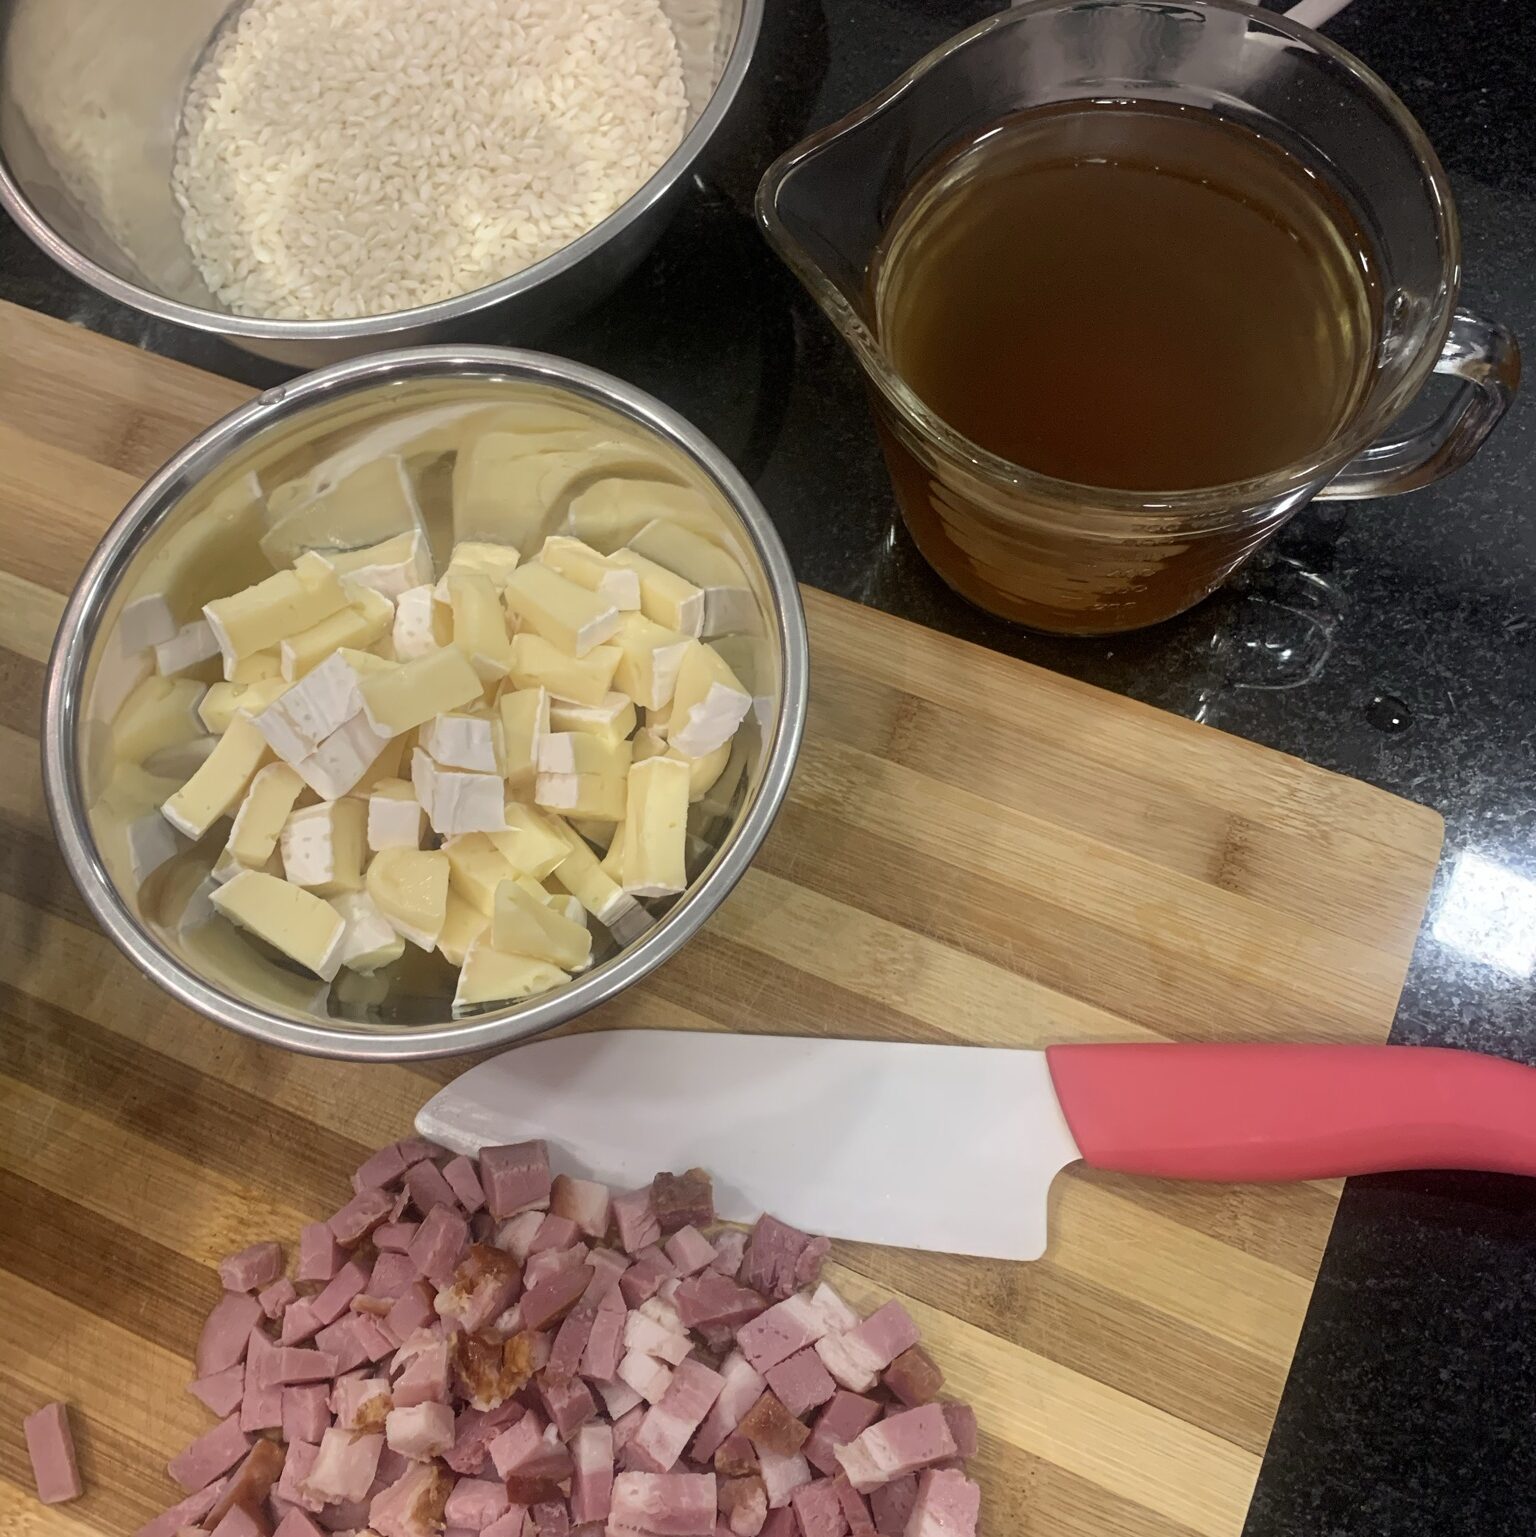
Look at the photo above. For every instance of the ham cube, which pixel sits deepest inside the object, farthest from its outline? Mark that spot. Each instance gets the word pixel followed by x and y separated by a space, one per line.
pixel 730 1249
pixel 645 1277
pixel 582 1201
pixel 320 1256
pixel 592 1478
pixel 947 1505
pixel 344 1466
pixel 570 1345
pixel 961 1419
pixel 546 1263
pixel 439 1243
pixel 513 1524
pixel 848 1415
pixel 770 1427
pixel 394 1237
pixel 781 1523
pixel 891 1506
pixel 836 1314
pixel 412 1311
pixel 340 1341
pixel 515 1178
pixel 654 1339
pixel 905 1443
pixel 671 1422
pixel 276 1298
pixel 413 1505
pixel 474 1503
pixel 681 1199
pixel 380 1169
pixel 855 1509
pixel 391 1276
pixel 252 1268
pixel 473 1432
pixel 516 1236
pixel 914 1377
pixel 306 1413
pixel 292 1364
pixel 774 1336
pixel 519 1445
pixel 607 1267
pixel 220 1392
pixel 737 1458
pixel 665 1504
pixel 568 1402
pixel 552 1518
pixel 782 1476
pixel 624 1428
pixel 802 1383
pixel 605 1340
pixel 743 1506
pixel 422 1364
pixel 420 1431
pixel 689 1251
pixel 818 1509
pixel 251 1482
pixel 261 1403
pixel 551 1299
pixel 226 1332
pixel 184 1515
pixel 772 1257
pixel 489 1369
pixel 619 1398
pixel 428 1189
pixel 485 1284
pixel 329 1304
pixel 635 1219
pixel 459 1173
pixel 649 1377
pixel 297 1524
pixel 708 1299
pixel 51 1447
pixel 297 1464
pixel 360 1216
pixel 299 1322
pixel 741 1387
pixel 554 1232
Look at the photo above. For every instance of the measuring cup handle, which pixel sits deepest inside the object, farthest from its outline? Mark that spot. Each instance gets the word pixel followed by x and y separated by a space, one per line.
pixel 1486 358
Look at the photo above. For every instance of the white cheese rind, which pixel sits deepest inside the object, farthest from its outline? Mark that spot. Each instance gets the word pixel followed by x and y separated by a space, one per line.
pixel 457 801
pixel 146 622
pixel 339 763
pixel 462 742
pixel 191 644
pixel 370 940
pixel 396 819
pixel 324 848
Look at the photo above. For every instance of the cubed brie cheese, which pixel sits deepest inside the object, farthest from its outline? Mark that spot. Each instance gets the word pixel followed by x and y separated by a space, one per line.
pixel 666 598
pixel 497 561
pixel 729 606
pixel 305 714
pixel 410 888
pixel 160 712
pixel 364 620
pixel 219 704
pixel 488 976
pixel 524 724
pixel 577 752
pixel 290 919
pixel 531 843
pixel 145 622
pixel 521 924
pixel 216 788
pixel 284 604
pixel 370 940
pixel 422 624
pixel 390 568
pixel 581 795
pixel 324 847
pixel 704 773
pixel 708 705
pixel 649 742
pixel 396 819
pixel 567 616
pixel 613 720
pixel 580 563
pixel 191 644
pixel 415 691
pixel 479 624
pixel 477 868
pixel 462 741
pixel 258 823
pixel 581 874
pixel 652 852
pixel 457 801
pixel 463 924
pixel 258 667
pixel 339 763
pixel 536 663
pixel 650 656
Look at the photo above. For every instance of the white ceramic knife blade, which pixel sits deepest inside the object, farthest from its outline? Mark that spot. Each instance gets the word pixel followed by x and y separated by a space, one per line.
pixel 949 1148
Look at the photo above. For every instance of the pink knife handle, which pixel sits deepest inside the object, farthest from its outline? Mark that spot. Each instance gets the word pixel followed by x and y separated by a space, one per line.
pixel 1294 1112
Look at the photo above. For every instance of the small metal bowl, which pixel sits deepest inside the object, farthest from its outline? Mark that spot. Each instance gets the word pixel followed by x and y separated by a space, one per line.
pixel 90 107
pixel 409 402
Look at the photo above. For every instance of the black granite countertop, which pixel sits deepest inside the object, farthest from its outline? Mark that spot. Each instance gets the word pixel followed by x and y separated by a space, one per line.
pixel 1394 641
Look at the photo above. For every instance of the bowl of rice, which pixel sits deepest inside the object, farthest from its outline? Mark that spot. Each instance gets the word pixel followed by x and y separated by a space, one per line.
pixel 315 179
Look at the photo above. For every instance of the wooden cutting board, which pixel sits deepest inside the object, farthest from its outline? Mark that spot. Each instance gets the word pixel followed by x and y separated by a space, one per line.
pixel 973 850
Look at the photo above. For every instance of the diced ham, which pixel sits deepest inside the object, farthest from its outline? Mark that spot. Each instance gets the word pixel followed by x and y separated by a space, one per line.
pixel 855 1508
pixel 649 1377
pixel 643 1333
pixel 261 1402
pixel 635 1219
pixel 391 1276
pixel 914 1377
pixel 741 1387
pixel 516 1177
pixel 681 1199
pixel 554 1232
pixel 730 1249
pixel 846 1416
pixel 570 1344
pixel 568 1402
pixel 891 1505
pixel 421 1431
pixel 605 1340
pixel 802 1383
pixel 808 1266
pixel 584 1201
pixel 737 1458
pixel 306 1413
pixel 413 1505
pixel 545 1263
pixel 297 1466
pixel 904 1443
pixel 711 1298
pixel 625 1426
pixel 607 1267
pixel 226 1331
pixel 666 1504
pixel 332 1301
pixel 382 1168
pixel 645 1277
pixel 512 1524
pixel 689 1251
pixel 417 1150
pixel 276 1298
pixel 465 1183
pixel 320 1256
pixel 299 1322
pixel 947 1505
pixel 394 1237
pixel 818 1509
pixel 186 1514
pixel 485 1284
pixel 251 1482
pixel 835 1312
pixel 439 1243
pixel 782 1476
pixel 240 1521
pixel 770 1263
pixel 252 1268
pixel 770 1427
pixel 857 1357
pixel 220 1392
pixel 475 1503
pixel 341 1342
pixel 781 1523
pixel 671 1422
pixel 473 1432
pixel 520 1443
pixel 550 1300
pixel 774 1336
pixel 344 1465
pixel 422 1362
pixel 961 1419
pixel 619 1398
pixel 592 1478
pixel 360 1216
pixel 743 1505
pixel 51 1447
pixel 489 1370
pixel 552 1518
pixel 297 1524
pixel 412 1311
pixel 292 1364
pixel 516 1235
pixel 429 1189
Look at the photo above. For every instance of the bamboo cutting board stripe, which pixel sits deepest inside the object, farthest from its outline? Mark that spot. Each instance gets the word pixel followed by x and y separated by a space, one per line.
pixel 973 850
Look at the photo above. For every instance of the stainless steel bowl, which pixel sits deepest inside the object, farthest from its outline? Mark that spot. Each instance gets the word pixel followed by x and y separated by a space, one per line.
pixel 414 399
pixel 90 102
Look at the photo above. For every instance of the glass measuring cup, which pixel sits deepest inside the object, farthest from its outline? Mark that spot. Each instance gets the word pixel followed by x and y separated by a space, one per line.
pixel 1090 560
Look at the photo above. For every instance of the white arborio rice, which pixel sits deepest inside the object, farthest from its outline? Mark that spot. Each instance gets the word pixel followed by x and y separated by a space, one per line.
pixel 340 158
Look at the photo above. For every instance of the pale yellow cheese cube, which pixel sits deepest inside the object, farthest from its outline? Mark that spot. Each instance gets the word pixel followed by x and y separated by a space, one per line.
pixel 218 785
pixel 366 618
pixel 613 720
pixel 370 941
pixel 160 712
pixel 462 926
pixel 582 875
pixel 285 604
pixel 479 624
pixel 267 806
pixel 708 704
pixel 410 888
pixel 496 561
pixel 258 667
pixel 220 704
pixel 650 656
pixel 600 796
pixel 476 868
pixel 567 616
pixel 413 692
pixel 580 563
pixel 390 568
pixel 611 512
pixel 324 847
pixel 703 773
pixel 666 598
pixel 578 752
pixel 728 601
pixel 522 924
pixel 389 765
pixel 488 976
pixel 536 663
pixel 290 919
pixel 531 843
pixel 652 850
pixel 524 715
pixel 649 743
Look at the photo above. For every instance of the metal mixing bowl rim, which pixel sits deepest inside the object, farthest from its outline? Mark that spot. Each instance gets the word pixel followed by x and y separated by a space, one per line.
pixel 108 565
pixel 222 323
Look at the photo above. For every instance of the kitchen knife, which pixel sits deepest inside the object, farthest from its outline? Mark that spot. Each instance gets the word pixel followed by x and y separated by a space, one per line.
pixel 954 1148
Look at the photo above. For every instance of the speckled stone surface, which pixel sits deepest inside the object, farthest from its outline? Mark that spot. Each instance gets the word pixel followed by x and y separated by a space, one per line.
pixel 1394 641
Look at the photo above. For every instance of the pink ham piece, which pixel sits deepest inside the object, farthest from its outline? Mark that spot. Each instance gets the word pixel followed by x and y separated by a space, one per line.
pixel 770 1427
pixel 619 1398
pixel 680 1199
pixel 344 1466
pixel 782 1476
pixel 741 1387
pixel 570 1345
pixel 52 1450
pixel 413 1505
pixel 665 1504
pixel 394 1237
pixel 774 1336
pixel 485 1284
pixel 360 1402
pixel 428 1189
pixel 320 1256
pixel 252 1268
pixel 306 1413
pixel 421 1431
pixel 552 1518
pixel 546 1263
pixel 772 1258
pixel 475 1503
pixel 291 1365
pixel 439 1243
pixel 670 1424
pixel 947 1505
pixel 645 1277
pixel 624 1428
pixel 605 1340
pixel 519 1444
pixel 296 1467
pixel 592 1477
pixel 649 1377
pixel 341 1342
pixel 251 1482
pixel 568 1402
pixel 240 1521
pixel 299 1322
pixel 848 1415
pixel 707 1299
pixel 516 1177
pixel 607 1267
pixel 801 1382
pixel 635 1219
pixel 380 1169
pixel 465 1184
pixel 730 1249
pixel 743 1506
pixel 781 1523
pixel 553 1232
pixel 473 1432
pixel 513 1524
pixel 220 1392
pixel 550 1300
pixel 642 1332
pixel 914 1377
pixel 961 1419
pixel 261 1404
pixel 858 1357
pixel 855 1508
pixel 360 1216
pixel 818 1510
pixel 891 1506
pixel 391 1276
pixel 412 1311
pixel 185 1515
pixel 276 1298
pixel 904 1443
pixel 297 1524
pixel 330 1303
pixel 215 1452
pixel 582 1201
pixel 516 1235
pixel 414 1150
pixel 422 1364
pixel 689 1251
pixel 226 1332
